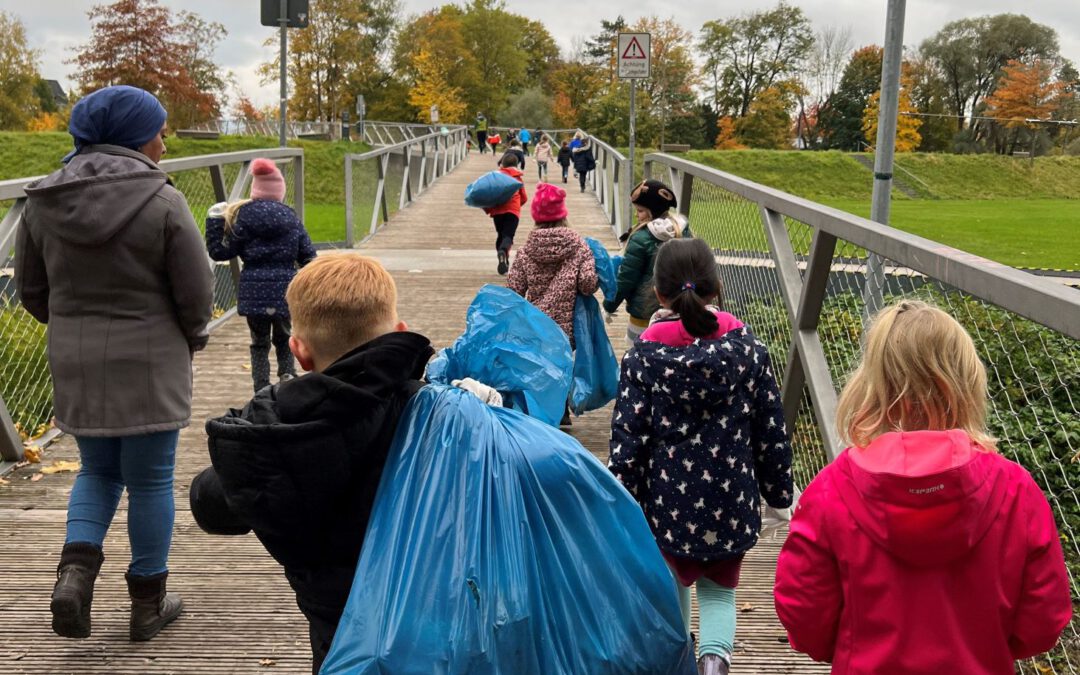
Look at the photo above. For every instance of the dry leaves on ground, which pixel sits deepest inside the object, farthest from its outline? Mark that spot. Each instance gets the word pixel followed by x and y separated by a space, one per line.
pixel 267 662
pixel 746 607
pixel 62 466
pixel 32 453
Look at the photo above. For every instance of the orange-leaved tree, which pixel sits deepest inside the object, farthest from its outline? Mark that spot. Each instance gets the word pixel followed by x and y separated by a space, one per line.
pixel 1026 93
pixel 908 137
pixel 433 88
pixel 726 139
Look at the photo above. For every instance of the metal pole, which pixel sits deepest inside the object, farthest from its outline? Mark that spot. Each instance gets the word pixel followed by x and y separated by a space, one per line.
pixel 633 128
pixel 284 20
pixel 888 110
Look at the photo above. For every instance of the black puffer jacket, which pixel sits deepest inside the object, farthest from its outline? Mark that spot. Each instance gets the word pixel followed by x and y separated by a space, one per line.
pixel 301 463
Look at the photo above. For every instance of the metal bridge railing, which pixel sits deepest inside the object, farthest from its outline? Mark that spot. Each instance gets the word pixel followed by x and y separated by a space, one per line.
pixel 381 182
pixel 382 134
pixel 797 273
pixel 25 386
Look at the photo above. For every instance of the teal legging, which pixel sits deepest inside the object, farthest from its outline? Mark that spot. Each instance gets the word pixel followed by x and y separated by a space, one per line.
pixel 716 605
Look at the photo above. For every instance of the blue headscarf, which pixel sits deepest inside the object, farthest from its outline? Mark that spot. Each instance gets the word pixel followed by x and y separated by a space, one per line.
pixel 126 116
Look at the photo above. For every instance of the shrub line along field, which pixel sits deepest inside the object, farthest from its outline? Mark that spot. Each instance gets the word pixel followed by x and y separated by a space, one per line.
pixel 998 207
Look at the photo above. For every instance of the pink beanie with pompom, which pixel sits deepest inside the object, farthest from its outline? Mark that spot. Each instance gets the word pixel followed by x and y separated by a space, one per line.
pixel 549 203
pixel 266 180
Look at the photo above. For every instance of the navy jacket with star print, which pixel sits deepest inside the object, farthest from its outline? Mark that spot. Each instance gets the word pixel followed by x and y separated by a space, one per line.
pixel 698 437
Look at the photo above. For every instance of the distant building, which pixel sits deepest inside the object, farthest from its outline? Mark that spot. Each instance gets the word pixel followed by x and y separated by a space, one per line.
pixel 57 92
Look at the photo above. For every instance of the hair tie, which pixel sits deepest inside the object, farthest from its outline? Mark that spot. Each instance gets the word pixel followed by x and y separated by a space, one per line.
pixel 689 286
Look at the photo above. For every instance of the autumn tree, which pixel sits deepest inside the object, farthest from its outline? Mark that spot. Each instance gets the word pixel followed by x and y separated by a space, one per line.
pixel 907 125
pixel 530 108
pixel 136 42
pixel 768 122
pixel 244 109
pixel 726 138
pixel 972 52
pixel 670 87
pixel 433 87
pixel 748 54
pixel 602 48
pixel 840 118
pixel 576 85
pixel 18 74
pixel 1026 94
pixel 343 52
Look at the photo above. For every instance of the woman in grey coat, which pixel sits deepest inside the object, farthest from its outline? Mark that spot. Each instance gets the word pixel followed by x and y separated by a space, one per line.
pixel 109 256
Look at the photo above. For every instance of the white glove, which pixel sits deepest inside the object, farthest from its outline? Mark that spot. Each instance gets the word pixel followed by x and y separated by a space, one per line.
pixel 483 392
pixel 773 519
pixel 217 210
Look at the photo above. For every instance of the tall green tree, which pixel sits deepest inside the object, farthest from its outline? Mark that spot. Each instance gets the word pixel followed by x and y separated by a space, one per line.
pixel 18 74
pixel 748 54
pixel 840 118
pixel 602 48
pixel 542 53
pixel 493 36
pixel 973 52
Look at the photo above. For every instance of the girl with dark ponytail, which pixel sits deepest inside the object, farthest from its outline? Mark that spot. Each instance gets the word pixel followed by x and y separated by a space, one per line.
pixel 698 437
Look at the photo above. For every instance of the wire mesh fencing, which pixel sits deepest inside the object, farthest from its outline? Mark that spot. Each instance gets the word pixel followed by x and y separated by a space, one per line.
pixel 1033 364
pixel 25 383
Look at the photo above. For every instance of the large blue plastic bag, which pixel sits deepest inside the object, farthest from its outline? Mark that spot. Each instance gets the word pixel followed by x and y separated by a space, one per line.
pixel 606 269
pixel 491 189
pixel 512 346
pixel 499 546
pixel 596 370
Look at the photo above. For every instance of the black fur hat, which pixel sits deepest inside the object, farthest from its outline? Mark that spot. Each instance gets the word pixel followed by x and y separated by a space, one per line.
pixel 655 196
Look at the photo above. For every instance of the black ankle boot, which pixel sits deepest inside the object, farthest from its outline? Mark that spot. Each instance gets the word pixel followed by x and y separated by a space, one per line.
pixel 152 608
pixel 73 593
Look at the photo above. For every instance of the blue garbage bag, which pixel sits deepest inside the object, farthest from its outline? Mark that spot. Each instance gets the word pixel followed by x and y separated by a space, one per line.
pixel 606 270
pixel 491 189
pixel 596 370
pixel 512 346
pixel 500 546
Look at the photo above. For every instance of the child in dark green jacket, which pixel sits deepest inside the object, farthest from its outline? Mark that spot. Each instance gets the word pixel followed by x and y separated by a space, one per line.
pixel 654 202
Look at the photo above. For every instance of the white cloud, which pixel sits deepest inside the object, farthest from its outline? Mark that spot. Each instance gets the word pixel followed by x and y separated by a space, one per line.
pixel 56 26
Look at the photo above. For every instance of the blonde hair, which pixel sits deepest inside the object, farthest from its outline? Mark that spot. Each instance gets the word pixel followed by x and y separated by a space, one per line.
pixel 340 301
pixel 231 213
pixel 919 371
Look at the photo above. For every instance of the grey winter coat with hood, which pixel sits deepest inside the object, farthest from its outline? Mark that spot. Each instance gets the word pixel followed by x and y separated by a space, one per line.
pixel 109 256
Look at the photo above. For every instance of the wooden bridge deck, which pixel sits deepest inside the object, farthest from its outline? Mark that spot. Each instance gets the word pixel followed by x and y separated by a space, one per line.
pixel 240 614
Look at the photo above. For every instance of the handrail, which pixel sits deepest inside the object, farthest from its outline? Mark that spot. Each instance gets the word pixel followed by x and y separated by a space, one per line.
pixel 14 188
pixel 1053 305
pixel 448 151
pixel 612 182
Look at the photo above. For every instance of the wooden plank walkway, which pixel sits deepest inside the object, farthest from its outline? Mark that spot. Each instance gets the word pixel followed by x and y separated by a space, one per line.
pixel 240 614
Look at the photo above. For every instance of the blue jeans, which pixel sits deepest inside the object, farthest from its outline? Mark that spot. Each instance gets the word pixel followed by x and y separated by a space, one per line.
pixel 144 464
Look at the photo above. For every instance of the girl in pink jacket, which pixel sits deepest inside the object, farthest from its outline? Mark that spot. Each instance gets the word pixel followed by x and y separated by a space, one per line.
pixel 920 549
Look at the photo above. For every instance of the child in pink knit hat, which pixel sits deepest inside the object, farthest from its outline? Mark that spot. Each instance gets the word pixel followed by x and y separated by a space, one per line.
pixel 555 264
pixel 269 238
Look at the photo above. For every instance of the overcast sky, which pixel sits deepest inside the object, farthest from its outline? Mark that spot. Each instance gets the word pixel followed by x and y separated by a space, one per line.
pixel 55 26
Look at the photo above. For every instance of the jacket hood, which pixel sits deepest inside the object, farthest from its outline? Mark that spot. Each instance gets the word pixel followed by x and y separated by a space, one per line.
pixel 927 497
pixel 95 195
pixel 710 368
pixel 362 379
pixel 553 245
pixel 512 171
pixel 668 228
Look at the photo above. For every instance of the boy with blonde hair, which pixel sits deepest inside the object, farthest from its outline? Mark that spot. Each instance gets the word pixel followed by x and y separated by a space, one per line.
pixel 300 464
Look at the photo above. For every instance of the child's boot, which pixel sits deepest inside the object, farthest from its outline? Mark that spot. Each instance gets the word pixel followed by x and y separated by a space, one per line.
pixel 713 664
pixel 73 593
pixel 152 608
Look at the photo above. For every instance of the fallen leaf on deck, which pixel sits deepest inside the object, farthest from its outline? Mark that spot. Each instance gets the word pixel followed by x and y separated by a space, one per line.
pixel 61 467
pixel 4 482
pixel 36 477
pixel 246 366
pixel 32 453
pixel 746 607
pixel 267 662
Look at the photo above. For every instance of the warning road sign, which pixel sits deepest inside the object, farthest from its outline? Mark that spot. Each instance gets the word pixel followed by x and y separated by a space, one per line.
pixel 635 56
